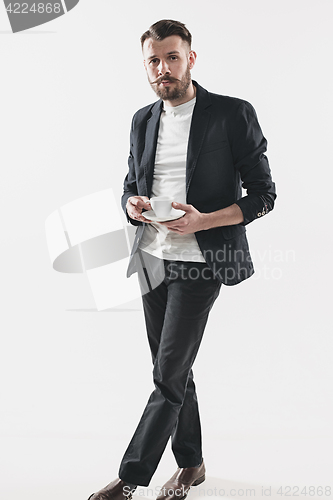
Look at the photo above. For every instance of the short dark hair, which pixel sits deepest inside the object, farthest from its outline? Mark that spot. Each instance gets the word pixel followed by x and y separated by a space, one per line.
pixel 167 27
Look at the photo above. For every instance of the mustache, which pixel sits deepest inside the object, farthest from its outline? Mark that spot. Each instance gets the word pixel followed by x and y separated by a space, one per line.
pixel 165 79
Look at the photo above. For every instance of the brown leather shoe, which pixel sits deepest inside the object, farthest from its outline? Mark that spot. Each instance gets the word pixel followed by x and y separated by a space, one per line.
pixel 180 483
pixel 113 491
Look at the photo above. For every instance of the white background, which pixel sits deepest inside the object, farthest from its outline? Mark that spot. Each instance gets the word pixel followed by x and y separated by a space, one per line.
pixel 74 382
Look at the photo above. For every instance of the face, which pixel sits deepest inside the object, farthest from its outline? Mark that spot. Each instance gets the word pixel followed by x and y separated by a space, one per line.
pixel 168 63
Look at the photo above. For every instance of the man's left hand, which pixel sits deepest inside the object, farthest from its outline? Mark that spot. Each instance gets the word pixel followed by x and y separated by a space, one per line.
pixel 191 222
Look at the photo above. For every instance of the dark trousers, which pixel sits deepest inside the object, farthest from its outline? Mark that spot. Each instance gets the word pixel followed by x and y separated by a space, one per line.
pixel 176 313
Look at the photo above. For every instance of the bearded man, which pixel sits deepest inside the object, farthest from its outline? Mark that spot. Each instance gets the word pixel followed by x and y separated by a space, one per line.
pixel 199 149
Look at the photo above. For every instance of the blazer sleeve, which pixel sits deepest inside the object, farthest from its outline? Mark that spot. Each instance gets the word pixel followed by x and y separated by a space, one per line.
pixel 248 146
pixel 130 186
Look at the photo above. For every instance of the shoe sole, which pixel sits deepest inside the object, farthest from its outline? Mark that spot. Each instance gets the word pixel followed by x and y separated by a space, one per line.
pixel 199 480
pixel 196 483
pixel 128 497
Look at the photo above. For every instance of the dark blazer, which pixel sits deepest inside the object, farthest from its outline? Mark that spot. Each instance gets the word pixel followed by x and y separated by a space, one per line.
pixel 225 153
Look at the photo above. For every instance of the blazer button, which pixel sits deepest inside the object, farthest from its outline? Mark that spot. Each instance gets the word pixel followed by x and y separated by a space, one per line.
pixel 259 214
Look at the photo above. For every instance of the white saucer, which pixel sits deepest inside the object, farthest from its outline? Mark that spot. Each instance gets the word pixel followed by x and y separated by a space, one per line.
pixel 174 214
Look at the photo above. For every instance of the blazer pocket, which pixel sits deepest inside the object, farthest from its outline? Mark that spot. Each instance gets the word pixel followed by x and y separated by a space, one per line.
pixel 213 146
pixel 230 232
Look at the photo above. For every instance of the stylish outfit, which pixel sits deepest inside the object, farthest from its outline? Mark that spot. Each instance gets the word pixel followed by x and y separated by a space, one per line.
pixel 201 153
pixel 169 180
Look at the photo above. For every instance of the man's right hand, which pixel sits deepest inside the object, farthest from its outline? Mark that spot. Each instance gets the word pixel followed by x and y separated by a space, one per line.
pixel 134 207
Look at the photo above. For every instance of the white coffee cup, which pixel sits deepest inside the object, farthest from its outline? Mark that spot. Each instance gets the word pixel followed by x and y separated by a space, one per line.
pixel 161 205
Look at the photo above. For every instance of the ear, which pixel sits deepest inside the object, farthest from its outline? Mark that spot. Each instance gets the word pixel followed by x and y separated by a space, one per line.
pixel 192 56
pixel 144 64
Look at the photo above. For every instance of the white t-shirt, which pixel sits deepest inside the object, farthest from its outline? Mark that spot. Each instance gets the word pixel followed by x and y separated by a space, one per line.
pixel 170 180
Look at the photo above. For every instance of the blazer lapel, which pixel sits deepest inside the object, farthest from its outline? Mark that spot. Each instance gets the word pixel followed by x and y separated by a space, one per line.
pixel 199 124
pixel 148 156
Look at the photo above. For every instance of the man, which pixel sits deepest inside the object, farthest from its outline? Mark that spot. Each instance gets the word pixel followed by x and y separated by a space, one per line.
pixel 201 149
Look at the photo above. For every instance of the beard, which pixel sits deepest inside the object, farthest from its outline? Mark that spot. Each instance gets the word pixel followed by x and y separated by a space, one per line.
pixel 171 94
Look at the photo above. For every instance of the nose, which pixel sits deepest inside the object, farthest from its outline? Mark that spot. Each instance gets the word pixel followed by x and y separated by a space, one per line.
pixel 163 68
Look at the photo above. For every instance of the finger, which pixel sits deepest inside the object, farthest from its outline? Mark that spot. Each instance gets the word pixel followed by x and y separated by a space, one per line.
pixel 137 201
pixel 136 212
pixel 134 201
pixel 181 206
pixel 172 224
pixel 139 216
pixel 144 204
pixel 143 219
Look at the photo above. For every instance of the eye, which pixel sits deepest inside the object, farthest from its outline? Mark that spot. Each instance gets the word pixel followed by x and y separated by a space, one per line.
pixel 153 61
pixel 173 58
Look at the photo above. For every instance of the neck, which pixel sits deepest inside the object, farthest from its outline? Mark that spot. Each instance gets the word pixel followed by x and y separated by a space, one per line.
pixel 190 94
